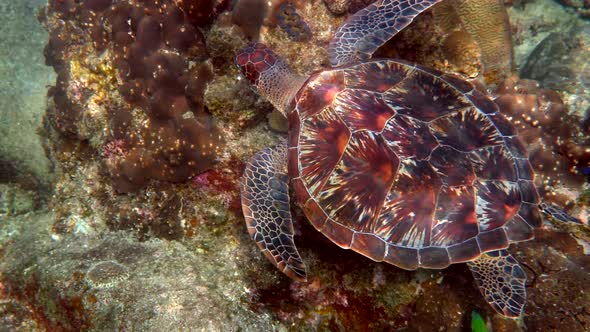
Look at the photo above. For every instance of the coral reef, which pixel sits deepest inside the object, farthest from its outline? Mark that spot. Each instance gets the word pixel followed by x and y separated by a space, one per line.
pixel 125 247
pixel 249 15
pixel 453 36
pixel 487 23
pixel 143 79
pixel 290 21
pixel 558 149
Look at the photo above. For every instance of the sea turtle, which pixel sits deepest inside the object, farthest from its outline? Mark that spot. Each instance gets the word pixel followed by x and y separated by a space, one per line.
pixel 398 162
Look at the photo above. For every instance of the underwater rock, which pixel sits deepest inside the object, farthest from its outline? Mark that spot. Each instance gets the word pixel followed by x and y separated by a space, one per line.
pixel 23 87
pixel 556 265
pixel 116 282
pixel 14 200
pixel 533 21
pixel 249 15
pixel 582 7
pixel 548 62
pixel 220 98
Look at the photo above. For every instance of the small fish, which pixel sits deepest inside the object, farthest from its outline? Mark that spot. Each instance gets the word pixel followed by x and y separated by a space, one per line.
pixel 477 323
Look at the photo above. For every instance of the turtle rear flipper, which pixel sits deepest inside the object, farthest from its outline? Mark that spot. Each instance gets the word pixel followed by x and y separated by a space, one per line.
pixel 265 203
pixel 501 281
pixel 558 213
pixel 369 28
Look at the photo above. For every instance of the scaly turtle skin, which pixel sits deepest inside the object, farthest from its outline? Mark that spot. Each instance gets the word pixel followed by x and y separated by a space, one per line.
pixel 398 162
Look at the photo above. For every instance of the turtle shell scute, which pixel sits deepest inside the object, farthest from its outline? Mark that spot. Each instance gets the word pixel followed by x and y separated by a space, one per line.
pixel 409 165
pixel 425 97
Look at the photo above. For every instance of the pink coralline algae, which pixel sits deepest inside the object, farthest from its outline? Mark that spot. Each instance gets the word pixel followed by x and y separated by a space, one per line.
pixel 157 59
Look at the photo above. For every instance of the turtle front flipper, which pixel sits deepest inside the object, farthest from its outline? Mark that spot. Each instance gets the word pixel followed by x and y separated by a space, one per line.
pixel 558 213
pixel 501 281
pixel 265 203
pixel 369 28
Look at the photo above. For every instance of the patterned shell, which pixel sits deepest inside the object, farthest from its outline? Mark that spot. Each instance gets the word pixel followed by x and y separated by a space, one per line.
pixel 409 165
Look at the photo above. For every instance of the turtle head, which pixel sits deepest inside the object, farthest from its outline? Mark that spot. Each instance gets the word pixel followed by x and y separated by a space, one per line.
pixel 272 77
pixel 255 59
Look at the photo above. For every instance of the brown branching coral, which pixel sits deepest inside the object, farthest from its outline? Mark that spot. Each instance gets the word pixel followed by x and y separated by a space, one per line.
pixel 558 150
pixel 153 55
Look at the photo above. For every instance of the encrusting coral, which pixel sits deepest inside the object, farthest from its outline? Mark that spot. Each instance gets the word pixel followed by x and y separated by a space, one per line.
pixel 558 151
pixel 155 55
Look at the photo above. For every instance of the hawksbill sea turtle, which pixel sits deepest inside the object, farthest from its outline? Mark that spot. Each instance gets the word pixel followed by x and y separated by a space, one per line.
pixel 398 162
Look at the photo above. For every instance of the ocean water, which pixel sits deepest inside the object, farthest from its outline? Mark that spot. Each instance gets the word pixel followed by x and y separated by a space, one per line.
pixel 126 127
